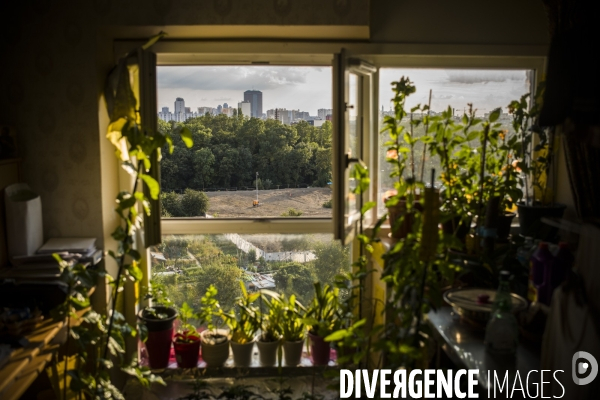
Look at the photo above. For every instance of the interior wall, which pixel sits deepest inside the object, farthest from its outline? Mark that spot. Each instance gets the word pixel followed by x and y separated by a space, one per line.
pixel 510 22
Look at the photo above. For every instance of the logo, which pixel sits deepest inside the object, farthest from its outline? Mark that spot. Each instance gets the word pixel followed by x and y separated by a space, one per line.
pixel 581 368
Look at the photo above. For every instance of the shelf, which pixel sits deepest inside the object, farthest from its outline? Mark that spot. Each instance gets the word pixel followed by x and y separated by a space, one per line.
pixel 26 363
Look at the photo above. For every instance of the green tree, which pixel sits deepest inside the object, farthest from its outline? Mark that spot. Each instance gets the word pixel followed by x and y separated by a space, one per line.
pixel 170 204
pixel 296 278
pixel 203 162
pixel 332 259
pixel 194 203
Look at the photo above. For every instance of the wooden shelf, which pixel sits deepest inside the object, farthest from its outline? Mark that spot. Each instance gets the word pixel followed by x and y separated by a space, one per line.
pixel 26 363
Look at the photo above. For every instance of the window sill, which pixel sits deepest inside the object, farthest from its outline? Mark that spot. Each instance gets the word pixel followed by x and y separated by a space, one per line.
pixel 229 370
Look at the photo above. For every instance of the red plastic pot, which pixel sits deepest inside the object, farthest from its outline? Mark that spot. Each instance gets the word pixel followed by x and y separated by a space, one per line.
pixel 186 353
pixel 160 335
pixel 319 350
pixel 158 345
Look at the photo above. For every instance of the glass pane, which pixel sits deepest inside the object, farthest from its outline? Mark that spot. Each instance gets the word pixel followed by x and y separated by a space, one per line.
pixel 354 150
pixel 454 88
pixel 187 264
pixel 262 141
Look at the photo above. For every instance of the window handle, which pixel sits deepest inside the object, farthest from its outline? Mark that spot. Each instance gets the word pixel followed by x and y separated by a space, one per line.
pixel 349 160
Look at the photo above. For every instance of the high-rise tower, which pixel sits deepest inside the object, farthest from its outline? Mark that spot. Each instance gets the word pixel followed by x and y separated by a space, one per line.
pixel 255 99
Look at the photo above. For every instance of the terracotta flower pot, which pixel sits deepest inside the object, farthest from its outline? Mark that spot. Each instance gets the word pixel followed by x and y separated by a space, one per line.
pixel 160 335
pixel 267 352
pixel 319 350
pixel 242 353
pixel 292 352
pixel 187 354
pixel 215 353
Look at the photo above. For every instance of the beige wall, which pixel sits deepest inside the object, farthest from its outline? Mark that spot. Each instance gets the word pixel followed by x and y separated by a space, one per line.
pixel 55 56
pixel 512 22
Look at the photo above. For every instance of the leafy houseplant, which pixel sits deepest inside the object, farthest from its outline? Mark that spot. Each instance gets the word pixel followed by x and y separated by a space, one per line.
pixel 215 341
pixel 158 323
pixel 322 318
pixel 269 340
pixel 536 161
pixel 243 324
pixel 293 329
pixel 187 341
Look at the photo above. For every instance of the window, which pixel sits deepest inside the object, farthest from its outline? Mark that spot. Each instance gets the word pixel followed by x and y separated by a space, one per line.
pixel 252 200
pixel 355 130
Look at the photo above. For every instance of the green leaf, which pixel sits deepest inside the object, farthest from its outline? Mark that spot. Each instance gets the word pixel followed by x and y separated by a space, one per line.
pixel 495 115
pixel 152 185
pixel 367 206
pixel 186 136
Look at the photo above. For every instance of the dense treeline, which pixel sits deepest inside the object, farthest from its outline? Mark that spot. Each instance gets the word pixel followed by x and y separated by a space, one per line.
pixel 228 151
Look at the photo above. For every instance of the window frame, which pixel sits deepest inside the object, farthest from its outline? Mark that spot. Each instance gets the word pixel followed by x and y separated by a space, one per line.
pixel 319 53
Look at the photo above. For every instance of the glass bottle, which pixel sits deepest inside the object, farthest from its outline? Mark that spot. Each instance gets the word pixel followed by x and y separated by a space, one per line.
pixel 502 331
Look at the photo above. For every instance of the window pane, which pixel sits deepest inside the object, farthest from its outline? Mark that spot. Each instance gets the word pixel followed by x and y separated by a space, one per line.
pixel 454 88
pixel 354 150
pixel 290 264
pixel 262 141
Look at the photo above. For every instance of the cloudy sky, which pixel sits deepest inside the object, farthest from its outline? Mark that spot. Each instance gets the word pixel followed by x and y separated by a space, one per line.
pixel 309 88
pixel 303 88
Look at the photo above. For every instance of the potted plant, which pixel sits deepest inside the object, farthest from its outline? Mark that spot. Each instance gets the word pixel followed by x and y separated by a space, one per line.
pixel 187 341
pixel 322 319
pixel 243 324
pixel 269 339
pixel 158 321
pixel 215 341
pixel 536 159
pixel 293 330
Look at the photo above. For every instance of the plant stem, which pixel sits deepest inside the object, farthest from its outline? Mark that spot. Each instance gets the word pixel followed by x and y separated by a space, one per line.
pixel 119 273
pixel 486 131
pixel 412 148
pixel 425 144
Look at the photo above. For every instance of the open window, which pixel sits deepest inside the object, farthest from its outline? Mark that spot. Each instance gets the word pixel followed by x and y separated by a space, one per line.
pixel 353 103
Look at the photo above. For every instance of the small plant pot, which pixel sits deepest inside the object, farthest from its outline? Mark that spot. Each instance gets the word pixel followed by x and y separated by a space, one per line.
pixel 215 351
pixel 242 353
pixel 292 352
pixel 504 223
pixel 319 350
pixel 187 354
pixel 160 335
pixel 530 220
pixel 267 352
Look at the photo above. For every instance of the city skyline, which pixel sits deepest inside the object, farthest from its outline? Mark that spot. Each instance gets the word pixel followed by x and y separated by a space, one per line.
pixel 301 88
pixel 298 87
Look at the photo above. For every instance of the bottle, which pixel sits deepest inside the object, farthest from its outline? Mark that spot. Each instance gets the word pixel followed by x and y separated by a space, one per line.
pixel 502 331
pixel 540 267
pixel 524 252
pixel 563 261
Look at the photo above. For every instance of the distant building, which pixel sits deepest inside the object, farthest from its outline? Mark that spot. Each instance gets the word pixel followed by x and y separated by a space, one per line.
pixel 322 113
pixel 203 110
pixel 254 97
pixel 245 108
pixel 219 108
pixel 225 105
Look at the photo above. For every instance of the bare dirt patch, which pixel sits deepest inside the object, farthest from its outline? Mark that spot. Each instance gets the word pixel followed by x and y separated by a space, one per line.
pixel 272 203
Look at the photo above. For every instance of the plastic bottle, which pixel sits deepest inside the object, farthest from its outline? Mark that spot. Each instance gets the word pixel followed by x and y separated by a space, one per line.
pixel 541 267
pixel 502 331
pixel 563 261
